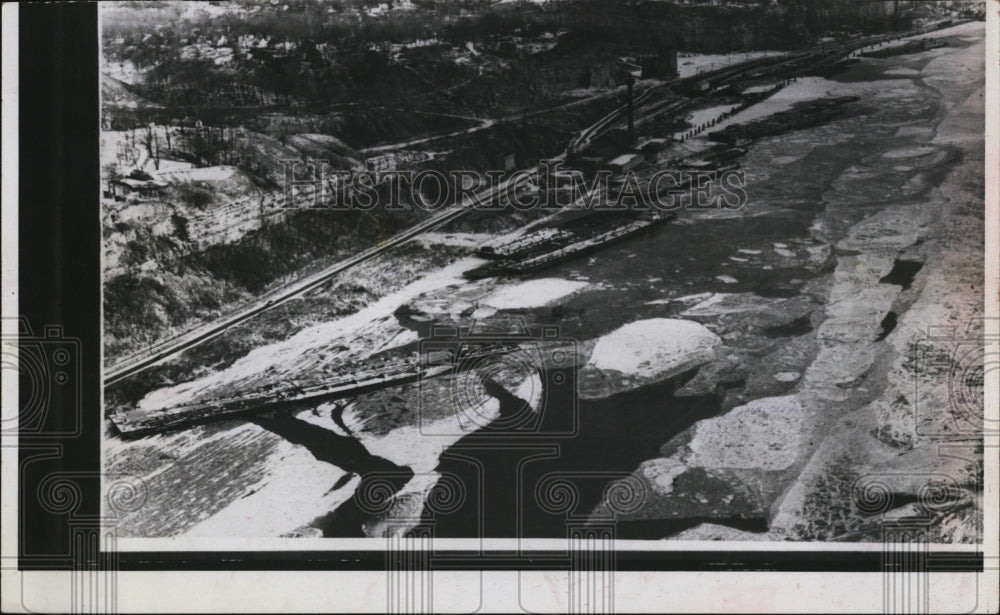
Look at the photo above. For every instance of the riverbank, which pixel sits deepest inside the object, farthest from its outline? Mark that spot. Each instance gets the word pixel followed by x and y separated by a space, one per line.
pixel 800 313
pixel 867 434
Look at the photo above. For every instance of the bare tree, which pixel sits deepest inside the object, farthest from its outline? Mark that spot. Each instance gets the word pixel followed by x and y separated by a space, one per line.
pixel 112 175
pixel 152 143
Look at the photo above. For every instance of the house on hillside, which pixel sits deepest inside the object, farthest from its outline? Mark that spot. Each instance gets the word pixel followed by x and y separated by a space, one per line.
pixel 128 186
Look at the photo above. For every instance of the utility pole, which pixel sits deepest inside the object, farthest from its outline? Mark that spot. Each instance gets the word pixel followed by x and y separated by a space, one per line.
pixel 628 69
pixel 631 124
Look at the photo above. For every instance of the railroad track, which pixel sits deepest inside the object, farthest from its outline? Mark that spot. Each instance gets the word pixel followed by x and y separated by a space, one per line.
pixel 146 359
pixel 728 75
pixel 643 103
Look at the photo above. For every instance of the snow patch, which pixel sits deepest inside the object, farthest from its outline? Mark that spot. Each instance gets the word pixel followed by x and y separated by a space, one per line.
pixel 801 90
pixel 759 89
pixel 650 348
pixel 787 376
pixel 533 293
pixel 296 490
pixel 661 472
pixel 693 64
pixel 283 356
pixel 530 390
pixel 767 434
pixel 218 173
pixel 704 116
pixel 420 446
pixel 908 152
pixel 461 240
pixel 728 303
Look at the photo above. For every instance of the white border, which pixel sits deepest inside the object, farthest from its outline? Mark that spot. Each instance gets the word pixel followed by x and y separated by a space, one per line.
pixel 9 188
pixel 514 592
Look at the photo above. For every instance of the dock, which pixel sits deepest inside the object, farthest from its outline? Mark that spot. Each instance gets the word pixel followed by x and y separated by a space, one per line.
pixel 132 422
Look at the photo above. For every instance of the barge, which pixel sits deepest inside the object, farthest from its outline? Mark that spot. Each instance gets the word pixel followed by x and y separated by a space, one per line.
pixel 360 379
pixel 585 236
pixel 527 244
pixel 613 233
pixel 801 116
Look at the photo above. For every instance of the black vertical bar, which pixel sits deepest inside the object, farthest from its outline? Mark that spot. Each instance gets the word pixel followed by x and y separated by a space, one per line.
pixel 59 259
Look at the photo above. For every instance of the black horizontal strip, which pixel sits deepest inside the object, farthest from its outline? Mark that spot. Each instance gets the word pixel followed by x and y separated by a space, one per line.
pixel 776 561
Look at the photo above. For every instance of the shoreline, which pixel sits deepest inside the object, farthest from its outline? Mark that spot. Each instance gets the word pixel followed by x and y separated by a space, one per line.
pixel 840 372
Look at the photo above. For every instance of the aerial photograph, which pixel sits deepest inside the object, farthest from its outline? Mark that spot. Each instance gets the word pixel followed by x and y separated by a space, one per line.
pixel 676 270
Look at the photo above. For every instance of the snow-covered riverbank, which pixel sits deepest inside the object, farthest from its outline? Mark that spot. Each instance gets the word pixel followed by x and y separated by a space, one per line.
pixel 793 318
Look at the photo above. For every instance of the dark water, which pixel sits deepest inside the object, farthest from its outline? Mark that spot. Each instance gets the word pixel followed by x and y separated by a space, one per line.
pixel 887 325
pixel 505 467
pixel 902 273
pixel 505 471
pixel 502 469
pixel 676 260
pixel 344 452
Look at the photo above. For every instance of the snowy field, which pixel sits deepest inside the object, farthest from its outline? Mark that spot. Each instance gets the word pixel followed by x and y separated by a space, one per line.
pixel 694 63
